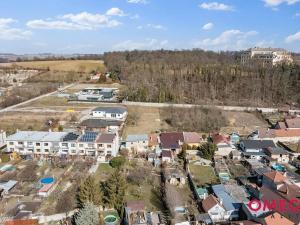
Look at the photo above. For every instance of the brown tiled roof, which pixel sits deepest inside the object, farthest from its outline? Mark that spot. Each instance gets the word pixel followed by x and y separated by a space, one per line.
pixel 275 176
pixel 273 133
pixel 209 202
pixel 105 138
pixel 275 219
pixel 293 123
pixel 171 140
pixel 191 137
pixel 135 205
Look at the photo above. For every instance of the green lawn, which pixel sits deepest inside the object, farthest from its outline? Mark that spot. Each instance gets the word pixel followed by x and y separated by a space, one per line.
pixel 103 172
pixel 203 174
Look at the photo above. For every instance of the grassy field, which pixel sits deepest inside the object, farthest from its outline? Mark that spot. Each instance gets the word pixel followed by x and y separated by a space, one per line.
pixel 242 122
pixel 85 66
pixel 103 172
pixel 203 174
pixel 147 119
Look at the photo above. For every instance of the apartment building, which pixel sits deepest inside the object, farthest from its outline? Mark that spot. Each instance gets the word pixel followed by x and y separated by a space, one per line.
pixel 266 56
pixel 48 144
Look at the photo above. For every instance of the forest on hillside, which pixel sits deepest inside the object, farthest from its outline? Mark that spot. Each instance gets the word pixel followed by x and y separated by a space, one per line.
pixel 203 77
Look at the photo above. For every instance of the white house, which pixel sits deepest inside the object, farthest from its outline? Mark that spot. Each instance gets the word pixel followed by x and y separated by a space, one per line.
pixel 137 143
pixel 214 208
pixel 224 146
pixel 110 113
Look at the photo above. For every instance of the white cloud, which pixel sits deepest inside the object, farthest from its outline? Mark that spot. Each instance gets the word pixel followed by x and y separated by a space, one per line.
pixel 216 6
pixel 228 40
pixel 274 3
pixel 148 44
pixel 208 26
pixel 139 27
pixel 9 33
pixel 115 12
pixel 156 26
pixel 297 14
pixel 135 17
pixel 137 1
pixel 293 38
pixel 80 21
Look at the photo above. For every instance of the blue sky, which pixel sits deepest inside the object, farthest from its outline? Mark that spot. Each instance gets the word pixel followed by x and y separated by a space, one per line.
pixel 95 26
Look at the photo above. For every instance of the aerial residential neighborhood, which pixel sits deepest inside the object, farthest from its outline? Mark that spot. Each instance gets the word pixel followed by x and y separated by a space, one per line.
pixel 149 112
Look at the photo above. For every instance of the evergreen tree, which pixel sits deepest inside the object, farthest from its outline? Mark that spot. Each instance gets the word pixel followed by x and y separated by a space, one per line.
pixel 88 215
pixel 115 189
pixel 90 192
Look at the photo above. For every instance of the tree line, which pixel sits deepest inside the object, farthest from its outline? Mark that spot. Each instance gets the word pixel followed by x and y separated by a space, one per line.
pixel 203 77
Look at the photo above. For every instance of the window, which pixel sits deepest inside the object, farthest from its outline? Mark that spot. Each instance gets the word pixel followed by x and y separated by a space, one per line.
pixel 90 145
pixel 108 146
pixel 100 145
pixel 38 150
pixel 81 145
pixel 64 144
pixel 73 151
pixel 46 144
pixel 11 143
pixel 30 143
pixel 20 143
pixel 113 115
pixel 73 145
pixel 37 144
pixel 46 150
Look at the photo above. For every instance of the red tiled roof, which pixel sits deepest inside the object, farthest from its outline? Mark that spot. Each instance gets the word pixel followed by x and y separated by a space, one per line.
pixel 218 138
pixel 275 219
pixel 22 222
pixel 275 176
pixel 171 140
pixel 209 202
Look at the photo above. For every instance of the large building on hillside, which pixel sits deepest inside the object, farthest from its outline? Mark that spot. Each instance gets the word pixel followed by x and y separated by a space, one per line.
pixel 56 144
pixel 266 56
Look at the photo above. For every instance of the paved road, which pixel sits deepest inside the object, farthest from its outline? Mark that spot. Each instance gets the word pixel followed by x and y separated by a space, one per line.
pixel 13 107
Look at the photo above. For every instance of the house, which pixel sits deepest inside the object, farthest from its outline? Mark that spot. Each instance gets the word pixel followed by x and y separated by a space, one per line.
pixel 254 148
pixel 274 219
pixel 224 147
pixel 234 138
pixel 202 193
pixel 192 139
pixel 135 213
pixel 175 177
pixel 214 208
pixel 254 214
pixel 110 113
pixel 101 125
pixel 107 146
pixel 7 186
pixel 166 156
pixel 282 135
pixel 171 141
pixel 274 179
pixel 153 141
pixel 235 155
pixel 137 143
pixel 46 190
pixel 231 205
pixel 293 123
pixel 276 154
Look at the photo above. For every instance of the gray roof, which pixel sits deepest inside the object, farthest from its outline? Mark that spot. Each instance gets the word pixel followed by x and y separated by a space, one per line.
pixel 7 186
pixel 137 137
pixel 43 136
pixel 117 110
pixel 257 144
pixel 98 123
pixel 228 202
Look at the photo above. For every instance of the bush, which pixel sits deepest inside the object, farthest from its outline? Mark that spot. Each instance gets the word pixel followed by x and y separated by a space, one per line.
pixel 117 162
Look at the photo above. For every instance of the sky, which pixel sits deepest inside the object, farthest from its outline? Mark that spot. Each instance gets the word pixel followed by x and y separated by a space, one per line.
pixel 97 26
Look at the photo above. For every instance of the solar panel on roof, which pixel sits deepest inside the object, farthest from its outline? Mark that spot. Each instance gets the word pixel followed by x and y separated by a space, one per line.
pixel 70 137
pixel 89 137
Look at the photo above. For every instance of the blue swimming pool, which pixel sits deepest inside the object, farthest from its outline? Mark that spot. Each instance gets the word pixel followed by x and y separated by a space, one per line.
pixel 47 180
